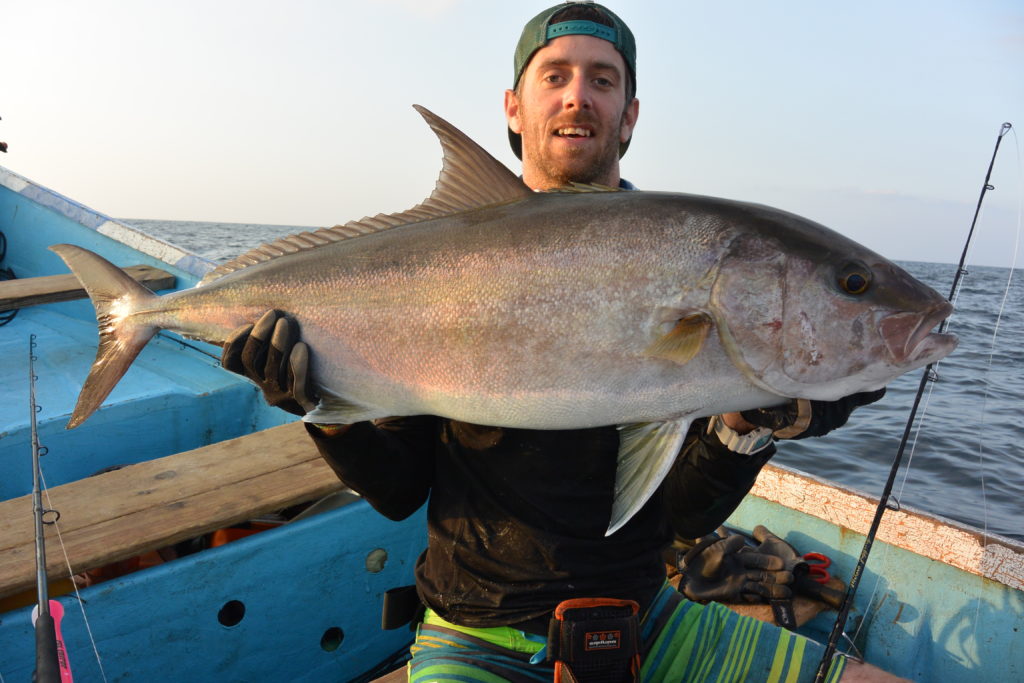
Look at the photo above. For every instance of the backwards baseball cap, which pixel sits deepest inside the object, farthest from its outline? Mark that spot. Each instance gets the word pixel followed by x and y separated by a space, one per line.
pixel 540 30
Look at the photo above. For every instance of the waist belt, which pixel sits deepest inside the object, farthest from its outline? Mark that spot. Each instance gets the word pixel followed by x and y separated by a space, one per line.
pixel 595 640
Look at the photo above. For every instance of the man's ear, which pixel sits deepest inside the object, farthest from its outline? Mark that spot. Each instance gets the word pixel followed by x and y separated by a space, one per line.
pixel 512 112
pixel 629 117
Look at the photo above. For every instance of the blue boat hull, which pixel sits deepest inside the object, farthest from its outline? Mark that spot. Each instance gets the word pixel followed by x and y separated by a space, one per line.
pixel 302 601
pixel 297 582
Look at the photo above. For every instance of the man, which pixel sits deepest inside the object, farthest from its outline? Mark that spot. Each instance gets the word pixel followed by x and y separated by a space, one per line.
pixel 516 517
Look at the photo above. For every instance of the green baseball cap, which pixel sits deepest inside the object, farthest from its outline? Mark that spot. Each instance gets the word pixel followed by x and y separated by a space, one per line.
pixel 539 31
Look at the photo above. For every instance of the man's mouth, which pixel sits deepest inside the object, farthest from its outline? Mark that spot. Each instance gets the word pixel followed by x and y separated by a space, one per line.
pixel 574 132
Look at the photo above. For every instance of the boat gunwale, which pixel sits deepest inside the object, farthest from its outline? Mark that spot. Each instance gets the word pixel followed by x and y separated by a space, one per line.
pixel 173 255
pixel 932 536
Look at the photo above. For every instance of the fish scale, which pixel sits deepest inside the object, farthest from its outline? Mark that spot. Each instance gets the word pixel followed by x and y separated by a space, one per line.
pixel 492 304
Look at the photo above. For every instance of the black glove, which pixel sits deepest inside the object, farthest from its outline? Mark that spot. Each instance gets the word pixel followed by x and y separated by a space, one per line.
pixel 280 367
pixel 770 544
pixel 806 585
pixel 723 567
pixel 801 418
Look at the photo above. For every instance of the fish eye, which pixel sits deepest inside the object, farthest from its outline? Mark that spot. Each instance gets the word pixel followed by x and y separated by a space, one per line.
pixel 854 279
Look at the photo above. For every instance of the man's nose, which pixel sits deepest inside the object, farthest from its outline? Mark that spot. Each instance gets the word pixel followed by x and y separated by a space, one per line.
pixel 576 95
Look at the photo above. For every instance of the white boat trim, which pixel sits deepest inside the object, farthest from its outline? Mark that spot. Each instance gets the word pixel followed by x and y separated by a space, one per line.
pixel 988 555
pixel 104 225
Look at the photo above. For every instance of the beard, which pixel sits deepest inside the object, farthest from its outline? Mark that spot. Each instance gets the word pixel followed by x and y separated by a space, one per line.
pixel 574 165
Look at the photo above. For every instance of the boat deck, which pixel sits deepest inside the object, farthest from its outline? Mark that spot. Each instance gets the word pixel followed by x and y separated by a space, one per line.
pixel 121 514
pixel 169 401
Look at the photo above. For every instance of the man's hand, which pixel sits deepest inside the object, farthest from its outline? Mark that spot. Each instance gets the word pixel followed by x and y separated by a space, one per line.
pixel 801 418
pixel 722 567
pixel 270 354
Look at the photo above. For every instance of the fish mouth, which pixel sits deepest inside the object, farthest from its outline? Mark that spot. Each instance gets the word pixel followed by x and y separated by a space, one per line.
pixel 909 339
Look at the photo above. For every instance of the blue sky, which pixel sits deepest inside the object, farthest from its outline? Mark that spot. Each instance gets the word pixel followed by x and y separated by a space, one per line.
pixel 875 118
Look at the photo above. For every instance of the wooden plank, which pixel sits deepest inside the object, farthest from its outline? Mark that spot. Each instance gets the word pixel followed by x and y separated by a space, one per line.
pixel 48 289
pixel 399 675
pixel 120 514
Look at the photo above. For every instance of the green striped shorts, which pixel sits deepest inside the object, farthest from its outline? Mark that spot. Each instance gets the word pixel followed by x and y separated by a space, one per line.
pixel 681 641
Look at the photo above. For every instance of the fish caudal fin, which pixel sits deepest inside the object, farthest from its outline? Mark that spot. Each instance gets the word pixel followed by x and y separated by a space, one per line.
pixel 115 295
pixel 646 453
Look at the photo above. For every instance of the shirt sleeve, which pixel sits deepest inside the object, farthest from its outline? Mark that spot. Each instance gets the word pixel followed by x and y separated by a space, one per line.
pixel 708 481
pixel 389 462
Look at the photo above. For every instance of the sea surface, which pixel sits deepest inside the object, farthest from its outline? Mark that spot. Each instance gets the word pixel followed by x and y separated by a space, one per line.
pixel 966 461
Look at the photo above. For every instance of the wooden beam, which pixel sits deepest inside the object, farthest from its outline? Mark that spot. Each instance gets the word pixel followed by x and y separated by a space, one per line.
pixel 121 514
pixel 48 289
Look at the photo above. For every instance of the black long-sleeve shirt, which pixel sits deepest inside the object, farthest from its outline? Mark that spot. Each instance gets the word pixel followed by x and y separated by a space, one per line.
pixel 517 518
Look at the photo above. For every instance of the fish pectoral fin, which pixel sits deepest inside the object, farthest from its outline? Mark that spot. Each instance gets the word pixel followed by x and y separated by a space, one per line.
pixel 334 409
pixel 684 340
pixel 646 453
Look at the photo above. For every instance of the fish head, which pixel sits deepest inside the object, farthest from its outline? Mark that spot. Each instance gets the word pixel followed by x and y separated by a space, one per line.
pixel 807 313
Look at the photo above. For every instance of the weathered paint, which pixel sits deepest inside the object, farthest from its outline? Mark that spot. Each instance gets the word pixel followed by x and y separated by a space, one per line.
pixel 312 611
pixel 958 545
pixel 23 193
pixel 916 613
pixel 302 587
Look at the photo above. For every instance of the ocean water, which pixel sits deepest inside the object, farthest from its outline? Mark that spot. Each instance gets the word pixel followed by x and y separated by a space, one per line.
pixel 966 460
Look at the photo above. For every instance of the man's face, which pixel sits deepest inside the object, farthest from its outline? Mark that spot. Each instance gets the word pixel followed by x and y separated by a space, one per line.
pixel 571 112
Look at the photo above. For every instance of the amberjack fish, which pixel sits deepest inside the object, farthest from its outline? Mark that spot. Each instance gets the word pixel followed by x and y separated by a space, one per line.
pixel 493 304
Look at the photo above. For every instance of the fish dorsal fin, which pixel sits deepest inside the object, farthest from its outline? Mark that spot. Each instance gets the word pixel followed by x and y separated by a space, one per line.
pixel 579 188
pixel 470 179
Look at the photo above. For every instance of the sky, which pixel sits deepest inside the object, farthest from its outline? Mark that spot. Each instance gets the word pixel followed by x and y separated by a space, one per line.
pixel 875 118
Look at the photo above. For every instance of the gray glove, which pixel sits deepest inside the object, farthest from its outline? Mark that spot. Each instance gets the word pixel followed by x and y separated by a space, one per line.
pixel 724 568
pixel 270 354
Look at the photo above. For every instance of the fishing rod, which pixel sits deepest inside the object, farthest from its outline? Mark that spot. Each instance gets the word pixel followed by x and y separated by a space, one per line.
pixel 883 502
pixel 51 658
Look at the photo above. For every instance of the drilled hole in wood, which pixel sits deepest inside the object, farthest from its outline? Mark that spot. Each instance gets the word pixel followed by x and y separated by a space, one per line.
pixel 331 639
pixel 231 613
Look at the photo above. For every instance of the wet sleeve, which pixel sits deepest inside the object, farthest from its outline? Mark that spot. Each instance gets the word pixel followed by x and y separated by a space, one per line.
pixel 388 462
pixel 707 482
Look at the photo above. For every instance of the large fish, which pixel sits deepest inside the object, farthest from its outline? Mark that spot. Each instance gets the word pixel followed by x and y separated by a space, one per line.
pixel 493 304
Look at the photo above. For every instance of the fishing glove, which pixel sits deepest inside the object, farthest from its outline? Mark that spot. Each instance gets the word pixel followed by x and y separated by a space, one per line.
pixel 270 354
pixel 801 418
pixel 770 544
pixel 803 581
pixel 724 568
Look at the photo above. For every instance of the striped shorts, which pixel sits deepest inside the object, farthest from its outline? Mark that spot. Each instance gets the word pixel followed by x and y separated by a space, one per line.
pixel 681 641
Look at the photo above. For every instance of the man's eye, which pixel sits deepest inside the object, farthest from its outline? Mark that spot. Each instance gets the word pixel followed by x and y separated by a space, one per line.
pixel 603 82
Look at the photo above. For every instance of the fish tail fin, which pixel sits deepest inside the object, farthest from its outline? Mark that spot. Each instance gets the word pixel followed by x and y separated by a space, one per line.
pixel 646 453
pixel 115 296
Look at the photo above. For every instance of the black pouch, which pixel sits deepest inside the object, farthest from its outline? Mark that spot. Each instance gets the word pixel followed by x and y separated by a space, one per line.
pixel 402 606
pixel 595 640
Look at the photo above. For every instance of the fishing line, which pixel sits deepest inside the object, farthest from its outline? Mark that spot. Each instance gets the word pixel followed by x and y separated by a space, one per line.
pixel 883 501
pixel 39 489
pixel 74 584
pixel 887 556
pixel 992 350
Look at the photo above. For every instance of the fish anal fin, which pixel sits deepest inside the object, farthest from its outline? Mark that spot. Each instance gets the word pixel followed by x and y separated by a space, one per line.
pixel 684 341
pixel 646 453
